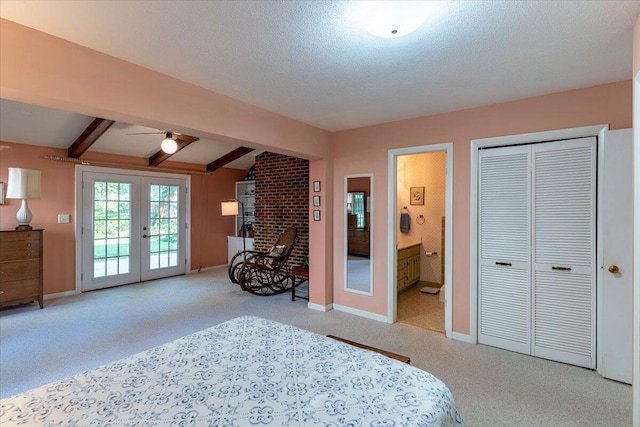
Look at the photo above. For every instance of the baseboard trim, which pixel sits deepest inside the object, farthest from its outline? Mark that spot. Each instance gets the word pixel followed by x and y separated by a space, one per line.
pixel 60 295
pixel 462 337
pixel 361 313
pixel 215 267
pixel 318 307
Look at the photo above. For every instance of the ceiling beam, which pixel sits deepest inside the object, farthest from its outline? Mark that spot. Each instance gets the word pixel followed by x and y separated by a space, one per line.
pixel 182 141
pixel 228 158
pixel 90 135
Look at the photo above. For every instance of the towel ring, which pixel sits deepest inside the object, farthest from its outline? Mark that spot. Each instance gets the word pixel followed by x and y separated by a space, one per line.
pixel 420 219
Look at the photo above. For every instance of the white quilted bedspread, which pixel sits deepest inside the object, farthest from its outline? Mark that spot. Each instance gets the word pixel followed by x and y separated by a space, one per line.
pixel 243 372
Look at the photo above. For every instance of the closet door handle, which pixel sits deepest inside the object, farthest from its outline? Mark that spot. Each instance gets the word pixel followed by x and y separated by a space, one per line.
pixel 561 268
pixel 506 264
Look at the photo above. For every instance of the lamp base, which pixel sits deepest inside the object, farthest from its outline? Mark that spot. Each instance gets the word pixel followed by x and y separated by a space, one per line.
pixel 24 228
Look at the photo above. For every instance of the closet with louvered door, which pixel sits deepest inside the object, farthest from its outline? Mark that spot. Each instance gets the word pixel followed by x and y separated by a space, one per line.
pixel 564 267
pixel 504 268
pixel 536 291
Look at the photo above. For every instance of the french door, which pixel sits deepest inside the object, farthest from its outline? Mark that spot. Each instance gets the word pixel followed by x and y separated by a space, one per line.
pixel 133 228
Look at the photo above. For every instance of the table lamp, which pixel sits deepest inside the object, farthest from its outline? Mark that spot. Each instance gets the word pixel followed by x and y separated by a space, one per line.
pixel 23 184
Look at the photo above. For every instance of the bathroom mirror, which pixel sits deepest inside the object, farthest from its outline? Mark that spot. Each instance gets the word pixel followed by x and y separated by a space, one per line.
pixel 358 218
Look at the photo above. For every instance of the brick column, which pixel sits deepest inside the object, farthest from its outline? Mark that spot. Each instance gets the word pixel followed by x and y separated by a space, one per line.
pixel 282 200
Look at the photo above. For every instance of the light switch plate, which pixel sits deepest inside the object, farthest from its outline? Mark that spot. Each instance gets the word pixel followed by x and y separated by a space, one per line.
pixel 63 219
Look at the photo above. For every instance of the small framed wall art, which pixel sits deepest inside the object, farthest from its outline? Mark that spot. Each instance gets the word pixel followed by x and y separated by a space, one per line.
pixel 417 195
pixel 316 186
pixel 316 200
pixel 316 215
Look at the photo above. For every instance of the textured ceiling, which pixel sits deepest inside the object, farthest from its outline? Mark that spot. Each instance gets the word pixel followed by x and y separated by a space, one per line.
pixel 312 61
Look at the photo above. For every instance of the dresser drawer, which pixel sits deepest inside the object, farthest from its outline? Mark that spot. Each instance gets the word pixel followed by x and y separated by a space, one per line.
pixel 19 270
pixel 12 236
pixel 19 245
pixel 19 255
pixel 19 289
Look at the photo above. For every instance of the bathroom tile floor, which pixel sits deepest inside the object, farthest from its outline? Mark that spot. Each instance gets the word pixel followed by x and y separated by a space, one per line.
pixel 420 309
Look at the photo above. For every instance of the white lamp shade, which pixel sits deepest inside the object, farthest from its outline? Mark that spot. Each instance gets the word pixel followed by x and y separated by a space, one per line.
pixel 229 208
pixel 23 184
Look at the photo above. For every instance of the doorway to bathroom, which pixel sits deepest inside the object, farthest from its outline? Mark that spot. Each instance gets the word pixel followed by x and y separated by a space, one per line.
pixel 421 188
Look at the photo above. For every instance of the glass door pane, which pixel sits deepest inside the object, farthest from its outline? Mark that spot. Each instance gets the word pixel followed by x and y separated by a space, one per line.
pixel 163 230
pixel 110 222
pixel 111 228
pixel 163 243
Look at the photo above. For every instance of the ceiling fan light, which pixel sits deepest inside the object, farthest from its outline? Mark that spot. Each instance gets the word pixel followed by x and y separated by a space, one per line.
pixel 393 19
pixel 169 145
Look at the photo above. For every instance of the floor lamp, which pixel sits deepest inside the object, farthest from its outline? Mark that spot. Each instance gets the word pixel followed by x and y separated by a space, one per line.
pixel 231 207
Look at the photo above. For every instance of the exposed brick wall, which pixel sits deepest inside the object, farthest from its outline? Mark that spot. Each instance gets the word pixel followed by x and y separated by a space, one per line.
pixel 282 200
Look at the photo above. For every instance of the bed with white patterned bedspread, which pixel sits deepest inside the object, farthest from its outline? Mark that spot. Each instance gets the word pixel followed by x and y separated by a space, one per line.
pixel 246 371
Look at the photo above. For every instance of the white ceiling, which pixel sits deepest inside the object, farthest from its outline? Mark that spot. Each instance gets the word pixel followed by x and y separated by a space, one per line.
pixel 34 125
pixel 312 60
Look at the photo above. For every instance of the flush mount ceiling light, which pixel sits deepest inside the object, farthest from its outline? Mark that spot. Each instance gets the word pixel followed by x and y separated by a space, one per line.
pixel 169 145
pixel 393 19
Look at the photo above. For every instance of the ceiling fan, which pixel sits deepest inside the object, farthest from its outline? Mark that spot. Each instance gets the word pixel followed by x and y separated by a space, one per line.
pixel 168 144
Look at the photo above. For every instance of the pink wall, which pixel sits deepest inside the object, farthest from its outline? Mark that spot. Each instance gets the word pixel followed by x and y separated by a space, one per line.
pixel 43 70
pixel 40 69
pixel 365 150
pixel 209 229
pixel 58 197
pixel 321 235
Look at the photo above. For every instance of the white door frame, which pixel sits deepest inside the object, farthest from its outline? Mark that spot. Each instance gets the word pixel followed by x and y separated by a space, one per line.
pixel 476 144
pixel 447 147
pixel 80 169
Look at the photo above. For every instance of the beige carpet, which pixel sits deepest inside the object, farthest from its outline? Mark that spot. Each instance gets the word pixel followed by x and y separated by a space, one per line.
pixel 422 310
pixel 492 387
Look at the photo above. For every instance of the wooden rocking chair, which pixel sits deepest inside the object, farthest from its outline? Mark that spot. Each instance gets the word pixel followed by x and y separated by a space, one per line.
pixel 265 273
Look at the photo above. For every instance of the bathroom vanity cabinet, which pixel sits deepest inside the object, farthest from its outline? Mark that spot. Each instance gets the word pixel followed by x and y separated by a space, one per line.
pixel 408 267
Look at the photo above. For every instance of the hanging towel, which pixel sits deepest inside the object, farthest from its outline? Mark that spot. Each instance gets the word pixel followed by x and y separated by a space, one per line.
pixel 405 223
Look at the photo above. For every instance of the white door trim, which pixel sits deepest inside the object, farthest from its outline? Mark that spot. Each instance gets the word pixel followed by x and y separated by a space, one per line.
pixel 80 169
pixel 476 145
pixel 393 227
pixel 636 249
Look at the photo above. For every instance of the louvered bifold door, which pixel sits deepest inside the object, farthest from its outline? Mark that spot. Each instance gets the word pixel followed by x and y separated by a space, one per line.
pixel 504 291
pixel 564 189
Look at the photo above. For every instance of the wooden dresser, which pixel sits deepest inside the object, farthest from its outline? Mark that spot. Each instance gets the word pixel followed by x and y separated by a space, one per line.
pixel 21 266
pixel 358 242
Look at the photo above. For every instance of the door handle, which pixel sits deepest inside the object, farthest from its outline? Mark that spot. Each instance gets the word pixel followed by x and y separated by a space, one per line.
pixel 613 269
pixel 506 264
pixel 561 268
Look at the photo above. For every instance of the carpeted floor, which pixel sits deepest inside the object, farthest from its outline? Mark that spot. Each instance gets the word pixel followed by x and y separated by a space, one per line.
pixel 493 387
pixel 421 309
